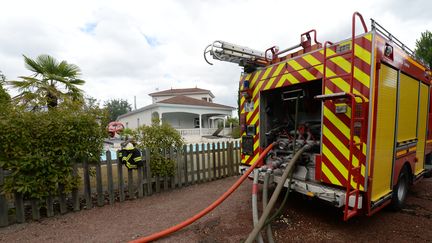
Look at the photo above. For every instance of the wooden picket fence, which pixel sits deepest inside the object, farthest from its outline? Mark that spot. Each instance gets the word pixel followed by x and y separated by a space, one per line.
pixel 108 181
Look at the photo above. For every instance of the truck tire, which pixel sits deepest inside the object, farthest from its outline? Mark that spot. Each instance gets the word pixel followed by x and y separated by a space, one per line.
pixel 428 174
pixel 400 190
pixel 428 163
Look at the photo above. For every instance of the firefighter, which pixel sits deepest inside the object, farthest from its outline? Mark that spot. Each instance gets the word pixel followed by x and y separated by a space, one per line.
pixel 130 156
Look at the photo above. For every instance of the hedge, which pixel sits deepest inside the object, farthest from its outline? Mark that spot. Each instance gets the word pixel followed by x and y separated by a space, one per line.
pixel 39 148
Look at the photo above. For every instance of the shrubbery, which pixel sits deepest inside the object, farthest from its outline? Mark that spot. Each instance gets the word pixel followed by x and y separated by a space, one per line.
pixel 40 148
pixel 159 138
pixel 236 132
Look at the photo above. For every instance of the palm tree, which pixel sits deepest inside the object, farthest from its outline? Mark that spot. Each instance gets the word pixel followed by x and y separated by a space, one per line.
pixel 51 82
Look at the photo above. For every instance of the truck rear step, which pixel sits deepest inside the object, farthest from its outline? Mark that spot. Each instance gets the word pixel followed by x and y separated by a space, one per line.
pixel 330 194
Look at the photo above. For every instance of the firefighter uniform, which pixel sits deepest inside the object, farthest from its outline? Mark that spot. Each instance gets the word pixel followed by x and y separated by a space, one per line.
pixel 130 156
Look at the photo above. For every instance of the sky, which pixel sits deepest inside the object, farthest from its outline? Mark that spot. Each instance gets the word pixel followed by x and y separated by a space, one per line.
pixel 132 48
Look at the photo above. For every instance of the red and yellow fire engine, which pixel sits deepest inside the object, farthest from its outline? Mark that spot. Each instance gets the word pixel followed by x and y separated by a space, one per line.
pixel 361 105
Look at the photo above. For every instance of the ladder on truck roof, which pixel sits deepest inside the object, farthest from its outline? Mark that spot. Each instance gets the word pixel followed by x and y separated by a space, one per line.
pixel 250 59
pixel 228 52
pixel 357 118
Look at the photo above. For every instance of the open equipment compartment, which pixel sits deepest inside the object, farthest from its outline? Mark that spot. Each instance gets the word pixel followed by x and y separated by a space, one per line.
pixel 278 121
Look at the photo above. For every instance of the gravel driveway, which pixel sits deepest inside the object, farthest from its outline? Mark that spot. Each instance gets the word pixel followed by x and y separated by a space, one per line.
pixel 304 220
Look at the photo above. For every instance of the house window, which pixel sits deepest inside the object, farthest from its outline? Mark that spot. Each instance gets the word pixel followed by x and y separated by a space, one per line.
pixel 196 123
pixel 210 100
pixel 204 98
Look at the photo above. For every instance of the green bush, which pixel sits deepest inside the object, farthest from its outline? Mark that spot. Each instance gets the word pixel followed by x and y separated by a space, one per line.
pixel 4 96
pixel 127 132
pixel 40 148
pixel 236 132
pixel 160 165
pixel 5 99
pixel 159 138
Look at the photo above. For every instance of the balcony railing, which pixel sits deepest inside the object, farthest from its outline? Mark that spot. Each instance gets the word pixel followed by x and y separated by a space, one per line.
pixel 205 131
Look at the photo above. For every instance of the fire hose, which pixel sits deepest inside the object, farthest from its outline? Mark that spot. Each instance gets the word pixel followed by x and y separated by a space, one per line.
pixel 255 203
pixel 216 203
pixel 265 201
pixel 257 228
pixel 264 204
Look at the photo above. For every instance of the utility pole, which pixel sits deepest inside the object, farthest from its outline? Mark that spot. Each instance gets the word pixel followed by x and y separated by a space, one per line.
pixel 135 102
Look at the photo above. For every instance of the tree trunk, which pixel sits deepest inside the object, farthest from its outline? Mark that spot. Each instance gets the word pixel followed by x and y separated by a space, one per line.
pixel 52 100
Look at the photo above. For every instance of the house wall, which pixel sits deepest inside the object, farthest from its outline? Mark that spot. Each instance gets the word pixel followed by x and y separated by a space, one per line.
pixel 195 96
pixel 180 120
pixel 135 120
pixel 180 117
pixel 184 120
pixel 205 121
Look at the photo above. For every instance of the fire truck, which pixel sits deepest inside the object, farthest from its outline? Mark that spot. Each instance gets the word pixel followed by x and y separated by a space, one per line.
pixel 361 105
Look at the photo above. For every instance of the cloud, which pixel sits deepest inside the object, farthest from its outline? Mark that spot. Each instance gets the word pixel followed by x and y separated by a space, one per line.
pixel 152 41
pixel 130 48
pixel 89 28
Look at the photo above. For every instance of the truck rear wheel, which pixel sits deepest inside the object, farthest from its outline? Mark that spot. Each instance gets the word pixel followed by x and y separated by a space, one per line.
pixel 428 174
pixel 428 165
pixel 400 190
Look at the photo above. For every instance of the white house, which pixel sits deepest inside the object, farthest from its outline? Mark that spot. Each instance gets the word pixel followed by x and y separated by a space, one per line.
pixel 190 111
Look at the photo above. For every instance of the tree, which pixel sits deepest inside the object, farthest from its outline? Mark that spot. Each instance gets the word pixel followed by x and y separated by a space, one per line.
pixel 235 128
pixel 234 121
pixel 2 77
pixel 4 96
pixel 52 81
pixel 117 107
pixel 423 49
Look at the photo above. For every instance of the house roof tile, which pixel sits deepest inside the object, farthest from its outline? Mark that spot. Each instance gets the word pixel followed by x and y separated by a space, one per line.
pixel 182 92
pixel 184 100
